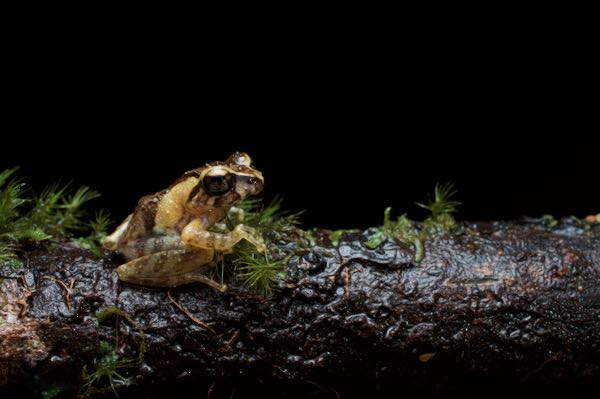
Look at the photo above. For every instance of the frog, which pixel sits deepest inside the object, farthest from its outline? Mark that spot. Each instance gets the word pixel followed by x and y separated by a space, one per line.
pixel 169 239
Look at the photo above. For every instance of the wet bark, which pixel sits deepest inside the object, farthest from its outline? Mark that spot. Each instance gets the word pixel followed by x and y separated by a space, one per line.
pixel 504 302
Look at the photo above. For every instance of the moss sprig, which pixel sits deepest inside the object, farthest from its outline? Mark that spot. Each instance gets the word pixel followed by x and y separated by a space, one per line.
pixel 260 273
pixel 109 364
pixel 98 227
pixel 106 313
pixel 264 218
pixel 403 229
pixel 257 272
pixel 107 369
pixel 442 204
pixel 56 213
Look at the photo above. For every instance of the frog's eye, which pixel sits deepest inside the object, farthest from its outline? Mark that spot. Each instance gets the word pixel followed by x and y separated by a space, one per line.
pixel 239 158
pixel 217 185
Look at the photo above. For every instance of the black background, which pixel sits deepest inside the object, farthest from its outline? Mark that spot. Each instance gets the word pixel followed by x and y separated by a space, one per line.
pixel 339 131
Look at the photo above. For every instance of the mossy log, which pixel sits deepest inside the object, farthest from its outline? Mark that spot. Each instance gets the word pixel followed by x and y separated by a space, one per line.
pixel 498 302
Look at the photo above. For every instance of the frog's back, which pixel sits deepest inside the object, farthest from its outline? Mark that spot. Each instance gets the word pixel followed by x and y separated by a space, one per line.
pixel 143 218
pixel 159 213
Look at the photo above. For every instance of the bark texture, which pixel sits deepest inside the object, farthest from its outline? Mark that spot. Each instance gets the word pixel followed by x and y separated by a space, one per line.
pixel 499 302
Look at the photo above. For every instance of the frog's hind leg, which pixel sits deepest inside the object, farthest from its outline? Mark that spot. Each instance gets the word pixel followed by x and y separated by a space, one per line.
pixel 145 246
pixel 170 268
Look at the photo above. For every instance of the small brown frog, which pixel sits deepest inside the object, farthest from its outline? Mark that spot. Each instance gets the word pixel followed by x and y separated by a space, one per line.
pixel 167 241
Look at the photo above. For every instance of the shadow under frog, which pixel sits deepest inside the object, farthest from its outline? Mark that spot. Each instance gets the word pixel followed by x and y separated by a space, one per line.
pixel 166 239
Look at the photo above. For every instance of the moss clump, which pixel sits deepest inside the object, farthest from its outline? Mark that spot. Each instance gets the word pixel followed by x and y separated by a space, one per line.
pixel 109 365
pixel 260 273
pixel 257 272
pixel 105 314
pixel 98 227
pixel 107 370
pixel 439 222
pixel 442 204
pixel 56 213
pixel 267 219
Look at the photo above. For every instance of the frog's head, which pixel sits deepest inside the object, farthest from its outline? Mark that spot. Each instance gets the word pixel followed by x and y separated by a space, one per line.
pixel 223 184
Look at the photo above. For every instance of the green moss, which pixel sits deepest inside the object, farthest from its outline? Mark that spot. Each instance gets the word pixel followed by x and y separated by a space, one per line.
pixel 549 221
pixel 56 213
pixel 10 199
pixel 260 273
pixel 440 221
pixel 108 366
pixel 269 218
pixel 257 272
pixel 376 239
pixel 106 313
pixel 335 235
pixel 419 250
pixel 442 204
pixel 310 237
pixel 98 231
pixel 10 202
pixel 8 255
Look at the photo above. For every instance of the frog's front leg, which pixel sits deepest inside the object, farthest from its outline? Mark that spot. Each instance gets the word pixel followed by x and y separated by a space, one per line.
pixel 195 235
pixel 170 268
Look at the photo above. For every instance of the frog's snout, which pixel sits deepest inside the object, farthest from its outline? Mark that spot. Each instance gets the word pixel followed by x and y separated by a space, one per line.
pixel 250 185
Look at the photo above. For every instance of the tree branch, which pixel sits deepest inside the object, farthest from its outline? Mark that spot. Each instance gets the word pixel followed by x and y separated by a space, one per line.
pixel 511 300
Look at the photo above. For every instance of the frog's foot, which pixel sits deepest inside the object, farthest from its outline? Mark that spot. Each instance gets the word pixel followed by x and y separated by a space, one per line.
pixel 251 235
pixel 193 234
pixel 170 268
